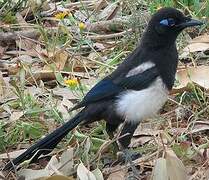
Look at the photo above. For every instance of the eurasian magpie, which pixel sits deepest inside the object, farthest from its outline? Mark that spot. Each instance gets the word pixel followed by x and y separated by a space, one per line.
pixel 136 90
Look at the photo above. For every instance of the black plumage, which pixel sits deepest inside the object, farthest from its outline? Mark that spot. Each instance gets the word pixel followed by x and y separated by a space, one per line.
pixel 154 59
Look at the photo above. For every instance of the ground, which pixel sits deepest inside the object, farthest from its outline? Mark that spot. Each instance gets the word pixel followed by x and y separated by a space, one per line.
pixel 52 53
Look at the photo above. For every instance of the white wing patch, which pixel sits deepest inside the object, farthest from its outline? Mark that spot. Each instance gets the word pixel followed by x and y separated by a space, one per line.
pixel 135 106
pixel 141 68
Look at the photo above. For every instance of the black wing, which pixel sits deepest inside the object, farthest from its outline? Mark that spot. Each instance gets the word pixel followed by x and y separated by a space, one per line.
pixel 107 89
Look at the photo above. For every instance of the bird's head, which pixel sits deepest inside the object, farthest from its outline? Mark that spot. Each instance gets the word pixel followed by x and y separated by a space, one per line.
pixel 167 23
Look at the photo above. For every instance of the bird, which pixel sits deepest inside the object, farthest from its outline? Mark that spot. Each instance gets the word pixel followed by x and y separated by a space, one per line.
pixel 136 90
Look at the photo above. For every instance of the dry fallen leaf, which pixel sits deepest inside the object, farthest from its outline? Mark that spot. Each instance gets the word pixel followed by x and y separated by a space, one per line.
pixel 200 126
pixel 25 59
pixel 84 174
pixel 66 93
pixel 100 5
pixel 2 86
pixel 2 175
pixel 53 166
pixel 63 166
pixel 201 39
pixel 66 162
pixel 175 168
pixel 44 75
pixel 200 43
pixel 57 177
pixel 59 59
pixel 2 50
pixel 55 62
pixel 118 175
pixel 30 174
pixel 199 75
pixel 15 116
pixel 160 170
pixel 63 110
pixel 137 141
pixel 142 135
pixel 195 47
pixel 98 174
pixel 28 45
pixel 68 104
pixel 12 154
pixel 110 11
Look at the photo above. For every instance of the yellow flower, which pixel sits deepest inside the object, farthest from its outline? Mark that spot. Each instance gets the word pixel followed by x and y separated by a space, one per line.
pixel 81 26
pixel 62 15
pixel 71 82
pixel 159 7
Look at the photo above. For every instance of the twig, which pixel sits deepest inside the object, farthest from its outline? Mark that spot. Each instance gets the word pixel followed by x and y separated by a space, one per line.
pixel 12 36
pixel 137 161
pixel 109 36
pixel 109 25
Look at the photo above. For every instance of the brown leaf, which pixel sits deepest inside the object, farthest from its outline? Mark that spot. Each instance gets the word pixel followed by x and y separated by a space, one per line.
pixel 63 166
pixel 200 43
pixel 65 93
pixel 137 141
pixel 44 75
pixel 47 73
pixel 84 174
pixel 195 47
pixel 201 39
pixel 110 11
pixel 17 53
pixel 15 116
pixel 98 174
pixel 57 177
pixel 200 126
pixel 26 59
pixel 160 170
pixel 2 175
pixel 59 59
pixel 66 162
pixel 30 174
pixel 12 154
pixel 199 75
pixel 2 86
pixel 63 110
pixel 175 167
pixel 2 50
pixel 29 46
pixel 118 175
pixel 143 134
pixel 100 5
pixel 21 21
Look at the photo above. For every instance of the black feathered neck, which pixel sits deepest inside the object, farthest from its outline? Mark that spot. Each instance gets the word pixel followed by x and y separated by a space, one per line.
pixel 160 46
pixel 156 46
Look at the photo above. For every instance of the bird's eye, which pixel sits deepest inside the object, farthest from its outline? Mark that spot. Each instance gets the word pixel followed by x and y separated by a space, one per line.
pixel 168 22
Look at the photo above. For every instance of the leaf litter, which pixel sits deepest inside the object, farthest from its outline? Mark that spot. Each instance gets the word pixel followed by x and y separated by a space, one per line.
pixel 84 41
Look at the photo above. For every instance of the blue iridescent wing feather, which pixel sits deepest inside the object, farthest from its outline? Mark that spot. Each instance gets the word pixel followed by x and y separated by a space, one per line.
pixel 107 88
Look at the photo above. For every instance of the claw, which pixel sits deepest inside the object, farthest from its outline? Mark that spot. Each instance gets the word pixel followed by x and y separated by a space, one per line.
pixel 127 157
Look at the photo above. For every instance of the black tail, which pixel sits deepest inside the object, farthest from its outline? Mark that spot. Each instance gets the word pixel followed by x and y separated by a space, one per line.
pixel 48 143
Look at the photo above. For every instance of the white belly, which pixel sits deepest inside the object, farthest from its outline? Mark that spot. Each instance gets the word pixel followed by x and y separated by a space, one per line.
pixel 135 106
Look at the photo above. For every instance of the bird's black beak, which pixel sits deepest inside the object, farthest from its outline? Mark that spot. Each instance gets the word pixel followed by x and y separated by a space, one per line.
pixel 189 23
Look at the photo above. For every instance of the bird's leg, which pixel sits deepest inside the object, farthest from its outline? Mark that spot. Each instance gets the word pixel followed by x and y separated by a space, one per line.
pixel 126 155
pixel 110 128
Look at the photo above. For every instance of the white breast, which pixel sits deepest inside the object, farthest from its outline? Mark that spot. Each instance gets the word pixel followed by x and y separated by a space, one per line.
pixel 135 106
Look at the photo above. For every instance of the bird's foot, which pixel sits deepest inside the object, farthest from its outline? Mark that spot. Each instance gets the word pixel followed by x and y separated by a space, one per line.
pixel 127 157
